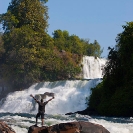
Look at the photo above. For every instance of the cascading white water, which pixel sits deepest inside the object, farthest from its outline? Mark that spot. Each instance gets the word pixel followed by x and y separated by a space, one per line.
pixel 93 67
pixel 70 96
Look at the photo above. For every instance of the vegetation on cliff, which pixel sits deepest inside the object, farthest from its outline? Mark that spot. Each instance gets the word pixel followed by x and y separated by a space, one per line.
pixel 114 96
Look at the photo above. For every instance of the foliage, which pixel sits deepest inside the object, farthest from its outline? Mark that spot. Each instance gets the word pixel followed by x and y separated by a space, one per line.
pixel 91 49
pixel 61 65
pixel 114 96
pixel 73 44
pixel 24 56
pixel 24 24
pixel 28 54
pixel 1 45
pixel 25 12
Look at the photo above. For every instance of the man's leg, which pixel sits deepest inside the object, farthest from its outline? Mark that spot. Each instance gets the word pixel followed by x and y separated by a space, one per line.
pixel 36 120
pixel 42 122
pixel 42 118
pixel 37 117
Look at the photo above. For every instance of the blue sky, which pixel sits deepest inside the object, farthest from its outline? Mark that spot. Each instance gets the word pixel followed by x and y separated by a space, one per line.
pixel 99 20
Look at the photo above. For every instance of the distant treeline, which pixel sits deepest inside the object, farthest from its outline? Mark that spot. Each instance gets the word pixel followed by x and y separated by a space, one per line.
pixel 28 54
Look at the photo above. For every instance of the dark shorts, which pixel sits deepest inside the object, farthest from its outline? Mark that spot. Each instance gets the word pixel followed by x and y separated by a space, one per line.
pixel 40 114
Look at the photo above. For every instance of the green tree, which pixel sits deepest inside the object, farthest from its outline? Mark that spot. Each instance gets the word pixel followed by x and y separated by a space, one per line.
pixel 1 45
pixel 59 40
pixel 91 49
pixel 115 94
pixel 25 40
pixel 97 49
pixel 25 12
pixel 73 44
pixel 125 45
pixel 76 45
pixel 63 41
pixel 60 65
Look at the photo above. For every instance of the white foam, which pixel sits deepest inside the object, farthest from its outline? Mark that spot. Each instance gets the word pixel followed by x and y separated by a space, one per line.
pixel 70 96
pixel 93 67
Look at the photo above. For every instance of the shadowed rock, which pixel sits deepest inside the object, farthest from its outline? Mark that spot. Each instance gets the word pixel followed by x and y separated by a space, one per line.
pixel 88 127
pixel 71 127
pixel 58 128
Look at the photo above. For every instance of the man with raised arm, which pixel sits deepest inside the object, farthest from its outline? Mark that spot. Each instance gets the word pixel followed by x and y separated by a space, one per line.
pixel 41 108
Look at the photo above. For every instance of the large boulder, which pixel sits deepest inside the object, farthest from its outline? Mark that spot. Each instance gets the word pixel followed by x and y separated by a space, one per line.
pixel 88 127
pixel 58 128
pixel 36 129
pixel 4 128
pixel 71 127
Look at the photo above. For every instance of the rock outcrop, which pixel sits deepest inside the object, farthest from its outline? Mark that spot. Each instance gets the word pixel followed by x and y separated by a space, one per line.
pixel 4 128
pixel 36 129
pixel 76 127
pixel 88 127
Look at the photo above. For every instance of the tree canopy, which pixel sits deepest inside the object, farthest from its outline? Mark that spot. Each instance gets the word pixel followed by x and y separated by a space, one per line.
pixel 25 25
pixel 76 45
pixel 114 96
pixel 28 54
pixel 31 13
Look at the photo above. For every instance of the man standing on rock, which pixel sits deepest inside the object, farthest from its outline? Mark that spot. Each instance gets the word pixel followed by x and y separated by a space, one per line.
pixel 41 108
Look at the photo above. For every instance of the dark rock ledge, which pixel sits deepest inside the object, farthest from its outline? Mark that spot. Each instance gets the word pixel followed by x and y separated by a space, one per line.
pixel 71 127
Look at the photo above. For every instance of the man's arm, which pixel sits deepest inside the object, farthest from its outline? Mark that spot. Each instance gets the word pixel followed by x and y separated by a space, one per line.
pixel 34 98
pixel 50 99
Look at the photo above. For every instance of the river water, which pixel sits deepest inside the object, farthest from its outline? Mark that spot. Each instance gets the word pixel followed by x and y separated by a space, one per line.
pixel 18 109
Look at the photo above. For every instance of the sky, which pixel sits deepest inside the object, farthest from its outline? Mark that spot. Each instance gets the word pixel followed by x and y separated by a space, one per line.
pixel 99 20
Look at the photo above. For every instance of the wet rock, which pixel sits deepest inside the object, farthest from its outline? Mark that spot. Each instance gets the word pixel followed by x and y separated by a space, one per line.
pixel 4 128
pixel 77 126
pixel 88 127
pixel 36 129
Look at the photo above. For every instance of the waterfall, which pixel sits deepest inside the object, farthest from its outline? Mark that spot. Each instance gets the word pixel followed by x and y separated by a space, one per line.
pixel 93 67
pixel 70 96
